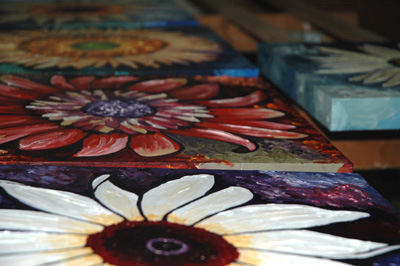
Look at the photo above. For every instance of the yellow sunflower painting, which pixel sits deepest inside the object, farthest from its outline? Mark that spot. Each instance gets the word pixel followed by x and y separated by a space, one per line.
pixel 133 48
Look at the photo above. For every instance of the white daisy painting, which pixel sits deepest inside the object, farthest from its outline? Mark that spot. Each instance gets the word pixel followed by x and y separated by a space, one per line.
pixel 100 216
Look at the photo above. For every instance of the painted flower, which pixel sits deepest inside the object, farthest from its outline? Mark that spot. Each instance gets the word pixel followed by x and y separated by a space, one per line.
pixel 61 12
pixel 80 48
pixel 372 65
pixel 108 114
pixel 177 223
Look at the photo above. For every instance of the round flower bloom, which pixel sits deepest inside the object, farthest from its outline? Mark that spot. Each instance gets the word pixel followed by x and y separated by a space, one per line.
pixel 109 114
pixel 61 12
pixel 177 223
pixel 81 48
pixel 378 64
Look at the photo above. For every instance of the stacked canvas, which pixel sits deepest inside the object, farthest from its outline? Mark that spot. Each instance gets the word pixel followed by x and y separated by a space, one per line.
pixel 96 113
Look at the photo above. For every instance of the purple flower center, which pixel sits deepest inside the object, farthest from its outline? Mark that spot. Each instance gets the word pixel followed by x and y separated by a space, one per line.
pixel 119 108
pixel 166 246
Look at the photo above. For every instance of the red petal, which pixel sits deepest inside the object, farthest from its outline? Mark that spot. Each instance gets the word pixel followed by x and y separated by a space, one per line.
pixel 10 134
pixel 27 84
pixel 10 101
pixel 158 85
pixel 246 113
pixel 253 131
pixel 112 82
pixel 60 82
pixel 18 93
pixel 12 109
pixel 82 83
pixel 152 145
pixel 215 135
pixel 19 120
pixel 253 98
pixel 251 123
pixel 51 140
pixel 99 145
pixel 198 92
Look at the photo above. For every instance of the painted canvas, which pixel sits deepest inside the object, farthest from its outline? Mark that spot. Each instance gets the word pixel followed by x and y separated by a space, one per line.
pixel 201 122
pixel 56 14
pixel 117 216
pixel 183 51
pixel 345 86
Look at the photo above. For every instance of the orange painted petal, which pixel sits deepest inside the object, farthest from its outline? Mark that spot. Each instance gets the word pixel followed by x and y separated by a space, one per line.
pixel 82 83
pixel 197 92
pixel 253 131
pixel 51 140
pixel 60 82
pixel 245 113
pixel 152 145
pixel 22 83
pixel 253 98
pixel 158 85
pixel 215 135
pixel 10 134
pixel 19 120
pixel 112 82
pixel 101 144
pixel 18 93
pixel 252 123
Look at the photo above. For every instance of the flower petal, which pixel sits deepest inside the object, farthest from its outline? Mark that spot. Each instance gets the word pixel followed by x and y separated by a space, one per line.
pixel 99 145
pixel 18 93
pixel 22 83
pixel 215 135
pixel 253 131
pixel 10 134
pixel 113 82
pixel 160 200
pixel 44 222
pixel 48 257
pixel 61 202
pixel 16 242
pixel 158 85
pixel 253 98
pixel 60 82
pixel 303 242
pixel 51 140
pixel 250 123
pixel 246 113
pixel 118 200
pixel 197 92
pixel 211 204
pixel 19 120
pixel 82 83
pixel 380 75
pixel 393 81
pixel 275 217
pixel 262 258
pixel 87 260
pixel 152 145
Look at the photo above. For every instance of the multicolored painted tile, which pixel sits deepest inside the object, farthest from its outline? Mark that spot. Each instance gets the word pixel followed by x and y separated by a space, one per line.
pixel 129 216
pixel 56 14
pixel 183 51
pixel 178 122
pixel 345 86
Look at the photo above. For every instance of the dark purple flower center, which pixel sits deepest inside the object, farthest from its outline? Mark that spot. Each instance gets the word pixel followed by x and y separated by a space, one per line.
pixel 161 243
pixel 119 108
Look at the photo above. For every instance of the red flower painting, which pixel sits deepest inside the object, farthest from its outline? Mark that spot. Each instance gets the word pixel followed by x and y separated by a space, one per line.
pixel 105 115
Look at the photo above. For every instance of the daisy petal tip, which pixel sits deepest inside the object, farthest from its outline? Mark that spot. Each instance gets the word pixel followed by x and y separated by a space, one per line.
pixel 98 180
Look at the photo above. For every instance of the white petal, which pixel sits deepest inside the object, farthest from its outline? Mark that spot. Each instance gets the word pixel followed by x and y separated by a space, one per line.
pixel 44 222
pixel 15 242
pixel 302 242
pixel 262 258
pixel 168 196
pixel 88 260
pixel 213 203
pixel 380 51
pixel 119 200
pixel 61 202
pixel 43 257
pixel 99 180
pixel 393 81
pixel 381 75
pixel 274 217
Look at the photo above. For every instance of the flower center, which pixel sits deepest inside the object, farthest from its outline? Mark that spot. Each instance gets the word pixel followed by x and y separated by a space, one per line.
pixel 161 243
pixel 95 45
pixel 395 62
pixel 119 108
